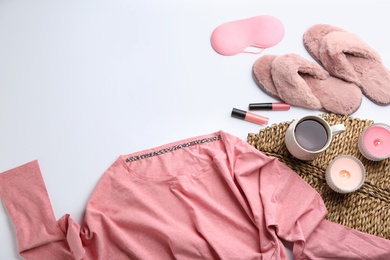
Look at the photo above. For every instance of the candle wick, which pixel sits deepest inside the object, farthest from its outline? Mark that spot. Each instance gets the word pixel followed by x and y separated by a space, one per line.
pixel 345 175
pixel 377 142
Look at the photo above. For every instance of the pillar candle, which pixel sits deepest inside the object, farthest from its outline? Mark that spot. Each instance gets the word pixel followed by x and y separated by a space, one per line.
pixel 345 174
pixel 374 142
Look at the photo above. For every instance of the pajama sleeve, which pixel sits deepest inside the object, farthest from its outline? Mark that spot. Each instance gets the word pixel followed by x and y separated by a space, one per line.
pixel 26 201
pixel 286 207
pixel 346 243
pixel 283 205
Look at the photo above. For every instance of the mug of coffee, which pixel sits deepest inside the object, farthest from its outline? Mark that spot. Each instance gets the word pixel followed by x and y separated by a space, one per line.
pixel 309 136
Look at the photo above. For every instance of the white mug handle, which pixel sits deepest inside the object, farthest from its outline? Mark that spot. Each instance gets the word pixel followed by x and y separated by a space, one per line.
pixel 337 129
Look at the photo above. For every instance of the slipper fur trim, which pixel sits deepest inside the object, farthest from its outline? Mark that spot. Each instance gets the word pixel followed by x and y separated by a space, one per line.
pixel 261 71
pixel 336 47
pixel 290 85
pixel 313 36
pixel 348 57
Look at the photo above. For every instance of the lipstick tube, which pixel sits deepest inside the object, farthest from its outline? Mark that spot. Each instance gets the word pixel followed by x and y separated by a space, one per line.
pixel 248 116
pixel 269 106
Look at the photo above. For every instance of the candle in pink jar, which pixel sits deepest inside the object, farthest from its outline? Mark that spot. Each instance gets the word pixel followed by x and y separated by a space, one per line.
pixel 345 174
pixel 374 142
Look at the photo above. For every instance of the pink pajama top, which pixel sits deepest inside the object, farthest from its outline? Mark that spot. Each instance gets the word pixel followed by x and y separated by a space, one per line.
pixel 208 197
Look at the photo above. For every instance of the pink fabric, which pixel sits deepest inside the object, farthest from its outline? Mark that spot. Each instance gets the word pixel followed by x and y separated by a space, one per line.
pixel 235 37
pixel 209 197
pixel 331 239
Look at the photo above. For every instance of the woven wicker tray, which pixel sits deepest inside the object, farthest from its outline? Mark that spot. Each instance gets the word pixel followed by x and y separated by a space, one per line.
pixel 366 210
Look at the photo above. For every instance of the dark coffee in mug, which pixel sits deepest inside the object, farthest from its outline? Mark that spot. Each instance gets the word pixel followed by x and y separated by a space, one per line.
pixel 311 135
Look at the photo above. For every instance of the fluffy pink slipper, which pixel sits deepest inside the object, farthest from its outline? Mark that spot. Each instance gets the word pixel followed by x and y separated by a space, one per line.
pixel 303 83
pixel 346 56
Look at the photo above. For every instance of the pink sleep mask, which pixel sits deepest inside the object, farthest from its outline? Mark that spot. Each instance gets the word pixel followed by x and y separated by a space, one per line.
pixel 234 37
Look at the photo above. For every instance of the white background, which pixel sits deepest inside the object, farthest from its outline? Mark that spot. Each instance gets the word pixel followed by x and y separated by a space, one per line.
pixel 84 81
